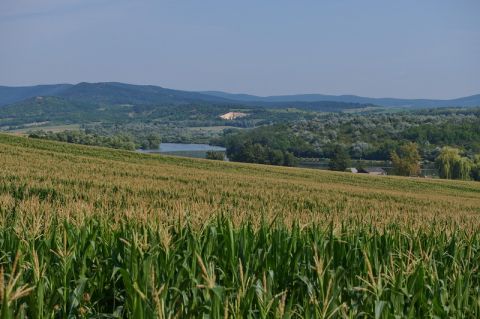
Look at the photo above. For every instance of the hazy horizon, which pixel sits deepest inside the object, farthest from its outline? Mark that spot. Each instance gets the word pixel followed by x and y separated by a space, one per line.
pixel 246 93
pixel 371 48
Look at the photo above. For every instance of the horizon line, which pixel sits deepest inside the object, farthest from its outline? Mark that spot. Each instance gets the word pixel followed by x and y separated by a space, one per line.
pixel 243 93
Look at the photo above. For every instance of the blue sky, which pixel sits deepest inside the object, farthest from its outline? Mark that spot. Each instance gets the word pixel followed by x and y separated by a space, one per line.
pixel 428 48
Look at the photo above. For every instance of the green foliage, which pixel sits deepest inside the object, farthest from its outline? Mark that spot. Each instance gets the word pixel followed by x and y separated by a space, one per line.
pixel 96 270
pixel 92 232
pixel 151 141
pixel 406 161
pixel 452 165
pixel 109 109
pixel 107 104
pixel 372 136
pixel 120 141
pixel 340 159
pixel 462 169
pixel 446 161
pixel 274 145
pixel 91 137
pixel 463 133
pixel 375 136
pixel 215 155
pixel 476 168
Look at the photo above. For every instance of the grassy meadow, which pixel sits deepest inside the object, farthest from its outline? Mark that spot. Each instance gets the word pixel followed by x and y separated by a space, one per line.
pixel 94 232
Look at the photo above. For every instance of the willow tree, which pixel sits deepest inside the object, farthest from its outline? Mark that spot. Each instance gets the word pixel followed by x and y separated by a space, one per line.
pixel 462 169
pixel 446 161
pixel 452 165
pixel 476 168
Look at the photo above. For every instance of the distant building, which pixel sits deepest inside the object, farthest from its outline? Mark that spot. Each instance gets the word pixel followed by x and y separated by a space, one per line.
pixel 373 171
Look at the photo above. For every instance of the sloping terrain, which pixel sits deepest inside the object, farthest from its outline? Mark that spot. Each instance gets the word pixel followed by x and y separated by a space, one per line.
pixel 117 93
pixel 65 111
pixel 118 102
pixel 105 92
pixel 9 95
pixel 159 184
pixel 94 232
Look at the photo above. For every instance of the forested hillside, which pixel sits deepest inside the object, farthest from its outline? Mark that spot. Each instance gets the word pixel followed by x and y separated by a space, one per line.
pixel 468 101
pixel 374 135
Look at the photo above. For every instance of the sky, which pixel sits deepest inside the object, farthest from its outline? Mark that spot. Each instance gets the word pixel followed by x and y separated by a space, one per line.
pixel 405 49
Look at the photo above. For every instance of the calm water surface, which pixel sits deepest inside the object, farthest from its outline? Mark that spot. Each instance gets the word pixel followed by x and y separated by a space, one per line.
pixel 180 147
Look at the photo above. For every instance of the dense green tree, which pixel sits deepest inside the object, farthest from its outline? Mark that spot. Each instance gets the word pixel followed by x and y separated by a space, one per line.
pixel 406 161
pixel 258 153
pixel 215 155
pixel 120 141
pixel 340 159
pixel 151 141
pixel 276 157
pixel 475 173
pixel 274 145
pixel 289 159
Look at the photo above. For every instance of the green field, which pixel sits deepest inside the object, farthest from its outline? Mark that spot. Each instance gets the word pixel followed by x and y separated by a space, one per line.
pixel 94 232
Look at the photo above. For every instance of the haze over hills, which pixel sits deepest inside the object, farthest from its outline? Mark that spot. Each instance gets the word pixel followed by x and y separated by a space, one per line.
pixel 105 92
pixel 107 101
pixel 469 101
pixel 9 95
pixel 113 101
pixel 120 102
pixel 121 93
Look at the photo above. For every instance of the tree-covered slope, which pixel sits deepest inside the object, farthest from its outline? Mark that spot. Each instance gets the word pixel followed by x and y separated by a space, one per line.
pixel 9 95
pixel 107 108
pixel 468 101
pixel 121 93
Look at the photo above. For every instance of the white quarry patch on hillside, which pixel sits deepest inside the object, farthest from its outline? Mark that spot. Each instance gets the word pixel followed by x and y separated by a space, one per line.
pixel 233 115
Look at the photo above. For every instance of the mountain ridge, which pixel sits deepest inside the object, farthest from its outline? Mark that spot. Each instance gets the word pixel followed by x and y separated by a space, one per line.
pixel 117 92
pixel 13 94
pixel 467 101
pixel 105 92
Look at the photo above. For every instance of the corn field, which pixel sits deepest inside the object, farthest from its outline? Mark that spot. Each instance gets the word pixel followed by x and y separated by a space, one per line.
pixel 91 232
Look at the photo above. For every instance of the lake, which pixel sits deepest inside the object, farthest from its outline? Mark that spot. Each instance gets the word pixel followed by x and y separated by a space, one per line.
pixel 187 150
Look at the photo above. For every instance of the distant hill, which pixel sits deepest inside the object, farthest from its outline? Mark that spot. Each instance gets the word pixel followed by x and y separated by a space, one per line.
pixel 106 93
pixel 121 93
pixel 102 107
pixel 56 109
pixel 9 95
pixel 469 101
pixel 114 93
pixel 315 106
pixel 112 101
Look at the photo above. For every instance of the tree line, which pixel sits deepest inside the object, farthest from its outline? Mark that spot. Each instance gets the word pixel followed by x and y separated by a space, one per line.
pixel 450 162
pixel 117 141
pixel 272 144
pixel 452 165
